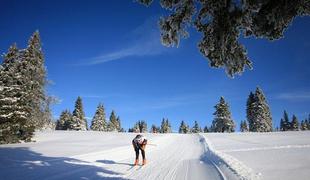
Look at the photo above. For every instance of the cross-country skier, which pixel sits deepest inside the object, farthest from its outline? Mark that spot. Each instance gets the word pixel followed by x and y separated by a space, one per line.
pixel 139 143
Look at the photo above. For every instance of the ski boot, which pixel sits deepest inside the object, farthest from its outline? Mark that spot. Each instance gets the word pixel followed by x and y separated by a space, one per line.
pixel 143 162
pixel 136 162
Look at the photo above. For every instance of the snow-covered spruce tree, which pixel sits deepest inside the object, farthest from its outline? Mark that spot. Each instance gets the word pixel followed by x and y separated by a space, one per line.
pixel 119 127
pixel 223 121
pixel 286 126
pixel 250 111
pixel 223 22
pixel 168 125
pixel 258 112
pixel 184 128
pixel 303 125
pixel 15 113
pixel 165 126
pixel 142 126
pixel 136 128
pixel 34 74
pixel 211 129
pixel 244 126
pixel 154 129
pixel 307 122
pixel 294 124
pixel 65 121
pixel 196 128
pixel 182 125
pixel 281 125
pixel 113 124
pixel 99 121
pixel 206 129
pixel 78 116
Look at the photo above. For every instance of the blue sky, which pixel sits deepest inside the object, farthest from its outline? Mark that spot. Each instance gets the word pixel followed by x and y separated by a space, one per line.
pixel 110 52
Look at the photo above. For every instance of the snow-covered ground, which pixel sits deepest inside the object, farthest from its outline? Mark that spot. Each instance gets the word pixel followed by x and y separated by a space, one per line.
pixel 98 155
pixel 277 155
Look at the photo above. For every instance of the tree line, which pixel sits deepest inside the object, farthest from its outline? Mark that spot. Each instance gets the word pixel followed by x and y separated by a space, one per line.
pixel 258 119
pixel 293 125
pixel 77 121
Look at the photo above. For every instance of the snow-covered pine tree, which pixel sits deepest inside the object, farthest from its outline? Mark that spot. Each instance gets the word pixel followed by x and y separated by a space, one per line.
pixel 113 124
pixel 258 112
pixel 249 111
pixel 303 125
pixel 184 128
pixel 169 129
pixel 223 121
pixel 99 120
pixel 241 126
pixel 165 126
pixel 78 116
pixel 154 129
pixel 286 122
pixel 65 121
pixel 14 112
pixel 130 130
pixel 119 127
pixel 294 124
pixel 142 126
pixel 196 128
pixel 206 129
pixel 244 126
pixel 307 123
pixel 136 128
pixel 281 124
pixel 212 129
pixel 34 74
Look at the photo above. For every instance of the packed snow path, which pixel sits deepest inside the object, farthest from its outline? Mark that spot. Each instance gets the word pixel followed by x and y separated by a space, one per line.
pixel 94 155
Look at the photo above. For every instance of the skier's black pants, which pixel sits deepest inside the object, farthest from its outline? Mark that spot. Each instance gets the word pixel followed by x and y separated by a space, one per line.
pixel 137 148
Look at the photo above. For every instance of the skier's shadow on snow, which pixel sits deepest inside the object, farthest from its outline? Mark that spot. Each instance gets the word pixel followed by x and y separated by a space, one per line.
pixel 23 163
pixel 113 162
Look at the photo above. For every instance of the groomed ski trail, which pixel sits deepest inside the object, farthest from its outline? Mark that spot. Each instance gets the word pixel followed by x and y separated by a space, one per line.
pixel 175 157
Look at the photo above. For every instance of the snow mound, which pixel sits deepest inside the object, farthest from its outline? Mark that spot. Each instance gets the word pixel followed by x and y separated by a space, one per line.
pixel 219 158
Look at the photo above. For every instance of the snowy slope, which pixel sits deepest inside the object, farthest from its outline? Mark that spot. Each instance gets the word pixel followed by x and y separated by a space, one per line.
pixel 277 155
pixel 96 155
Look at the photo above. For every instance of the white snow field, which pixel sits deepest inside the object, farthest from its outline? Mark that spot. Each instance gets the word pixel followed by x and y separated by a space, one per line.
pixel 98 155
pixel 276 155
